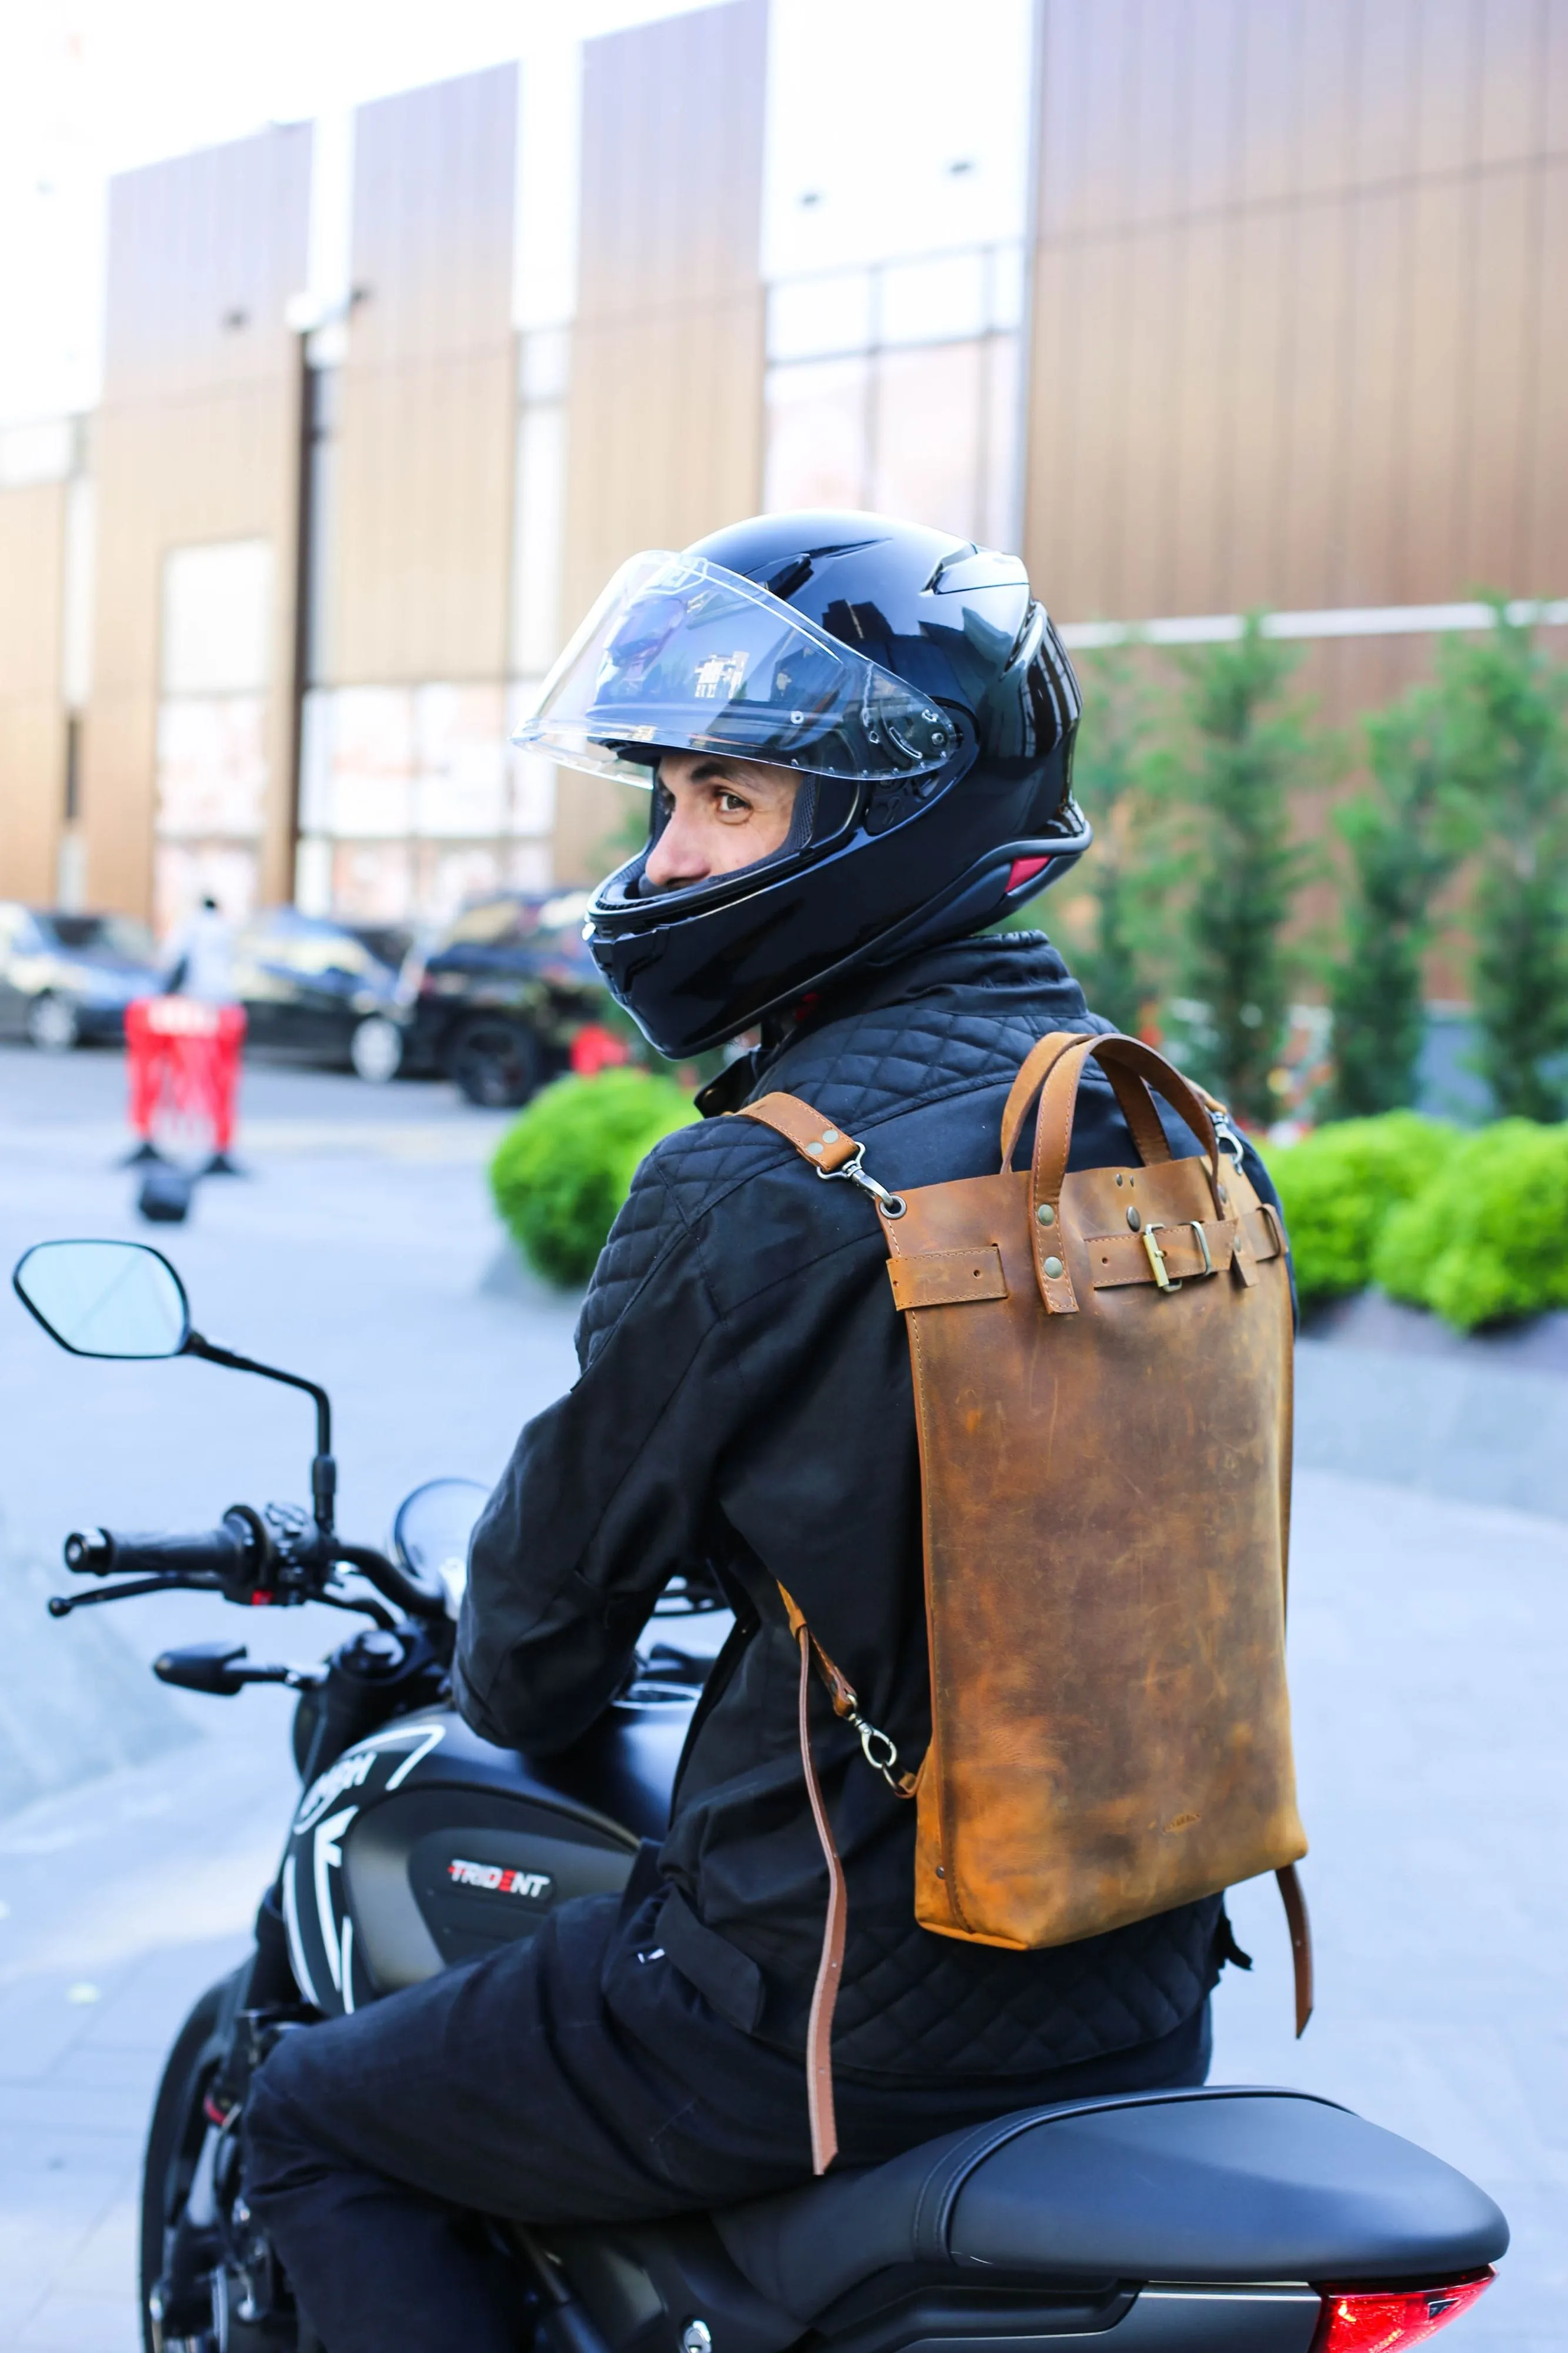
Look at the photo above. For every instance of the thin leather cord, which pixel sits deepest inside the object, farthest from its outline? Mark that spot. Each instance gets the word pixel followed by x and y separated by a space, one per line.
pixel 829 1969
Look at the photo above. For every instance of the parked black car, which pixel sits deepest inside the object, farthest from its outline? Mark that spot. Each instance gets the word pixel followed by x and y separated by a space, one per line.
pixel 65 978
pixel 503 992
pixel 316 990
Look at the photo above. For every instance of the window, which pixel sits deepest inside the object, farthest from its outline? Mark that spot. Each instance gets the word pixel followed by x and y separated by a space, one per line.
pixel 115 935
pixel 214 658
pixel 921 421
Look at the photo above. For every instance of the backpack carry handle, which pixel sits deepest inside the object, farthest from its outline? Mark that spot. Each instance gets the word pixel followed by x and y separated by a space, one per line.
pixel 1132 1098
pixel 1146 1071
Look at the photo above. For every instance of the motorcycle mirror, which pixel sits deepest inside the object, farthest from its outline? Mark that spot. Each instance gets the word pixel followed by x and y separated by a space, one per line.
pixel 105 1299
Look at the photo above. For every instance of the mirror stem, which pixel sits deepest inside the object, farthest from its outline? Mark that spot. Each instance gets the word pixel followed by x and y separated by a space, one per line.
pixel 323 1470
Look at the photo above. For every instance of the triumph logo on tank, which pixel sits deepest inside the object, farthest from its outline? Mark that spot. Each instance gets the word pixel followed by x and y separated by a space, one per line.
pixel 499 1879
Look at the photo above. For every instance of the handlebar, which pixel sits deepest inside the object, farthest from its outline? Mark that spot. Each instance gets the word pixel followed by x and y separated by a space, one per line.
pixel 240 1559
pixel 235 1550
pixel 405 1591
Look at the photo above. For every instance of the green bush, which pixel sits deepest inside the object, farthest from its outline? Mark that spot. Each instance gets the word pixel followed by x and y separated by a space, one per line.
pixel 562 1169
pixel 1339 1183
pixel 1487 1237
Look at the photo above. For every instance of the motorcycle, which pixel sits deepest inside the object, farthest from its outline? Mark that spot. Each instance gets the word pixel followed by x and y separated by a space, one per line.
pixel 1230 2218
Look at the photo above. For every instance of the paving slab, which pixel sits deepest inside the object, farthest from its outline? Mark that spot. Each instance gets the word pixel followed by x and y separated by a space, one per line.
pixel 1429 1655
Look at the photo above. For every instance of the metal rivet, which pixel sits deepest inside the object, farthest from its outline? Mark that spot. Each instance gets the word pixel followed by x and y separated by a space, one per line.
pixel 1046 1214
pixel 816 1151
pixel 1119 1180
pixel 940 1871
pixel 1053 1268
pixel 1133 1219
pixel 830 1135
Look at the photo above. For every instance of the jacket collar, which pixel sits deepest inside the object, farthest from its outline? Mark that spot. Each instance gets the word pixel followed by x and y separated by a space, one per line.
pixel 999 982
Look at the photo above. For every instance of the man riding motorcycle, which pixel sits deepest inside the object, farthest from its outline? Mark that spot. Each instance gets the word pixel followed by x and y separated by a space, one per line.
pixel 858 736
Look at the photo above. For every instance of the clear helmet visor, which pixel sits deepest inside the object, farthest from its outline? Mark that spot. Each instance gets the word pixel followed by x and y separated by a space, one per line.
pixel 680 655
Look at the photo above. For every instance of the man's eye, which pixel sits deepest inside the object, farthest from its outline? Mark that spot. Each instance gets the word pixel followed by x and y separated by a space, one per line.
pixel 732 805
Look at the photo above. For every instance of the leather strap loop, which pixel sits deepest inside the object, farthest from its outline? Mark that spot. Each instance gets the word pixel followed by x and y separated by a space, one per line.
pixel 1033 1072
pixel 815 1139
pixel 1053 1141
pixel 1132 1098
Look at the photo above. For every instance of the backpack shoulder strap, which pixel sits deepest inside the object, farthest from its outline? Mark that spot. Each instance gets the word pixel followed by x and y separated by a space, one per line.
pixel 814 1137
pixel 821 1144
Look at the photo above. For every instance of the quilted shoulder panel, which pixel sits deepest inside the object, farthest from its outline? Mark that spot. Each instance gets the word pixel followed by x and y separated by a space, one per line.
pixel 682 1178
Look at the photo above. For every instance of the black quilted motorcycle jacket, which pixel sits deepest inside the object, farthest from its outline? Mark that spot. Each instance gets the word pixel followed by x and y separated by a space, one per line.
pixel 744 1401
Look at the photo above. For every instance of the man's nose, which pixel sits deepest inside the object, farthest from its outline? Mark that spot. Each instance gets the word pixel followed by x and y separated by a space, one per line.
pixel 676 857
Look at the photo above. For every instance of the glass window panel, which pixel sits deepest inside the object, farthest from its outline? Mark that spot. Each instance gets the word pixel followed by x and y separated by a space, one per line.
pixel 533 779
pixel 303 948
pixel 816 424
pixel 928 437
pixel 809 318
pixel 185 873
pixel 530 866
pixel 932 301
pixel 316 762
pixel 1000 514
pixel 217 617
pixel 372 883
pixel 1007 264
pixel 447 878
pixel 313 876
pixel 371 773
pixel 212 766
pixel 533 795
pixel 460 750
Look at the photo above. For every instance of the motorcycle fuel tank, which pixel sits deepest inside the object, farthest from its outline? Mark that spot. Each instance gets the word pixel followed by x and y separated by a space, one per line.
pixel 424 1845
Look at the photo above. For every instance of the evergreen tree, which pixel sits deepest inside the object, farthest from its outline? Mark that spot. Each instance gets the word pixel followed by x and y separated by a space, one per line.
pixel 1123 967
pixel 1405 835
pixel 1248 751
pixel 1506 719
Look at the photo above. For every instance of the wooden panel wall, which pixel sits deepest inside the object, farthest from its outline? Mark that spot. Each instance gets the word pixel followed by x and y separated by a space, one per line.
pixel 423 526
pixel 665 406
pixel 196 440
pixel 32 712
pixel 1300 328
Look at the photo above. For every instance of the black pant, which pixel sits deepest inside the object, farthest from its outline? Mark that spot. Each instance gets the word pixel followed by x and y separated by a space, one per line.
pixel 566 2079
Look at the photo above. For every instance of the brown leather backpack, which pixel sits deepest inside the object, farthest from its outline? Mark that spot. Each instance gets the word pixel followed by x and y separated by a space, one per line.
pixel 1102 1371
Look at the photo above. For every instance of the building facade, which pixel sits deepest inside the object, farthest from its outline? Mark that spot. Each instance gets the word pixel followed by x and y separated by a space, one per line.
pixel 1206 304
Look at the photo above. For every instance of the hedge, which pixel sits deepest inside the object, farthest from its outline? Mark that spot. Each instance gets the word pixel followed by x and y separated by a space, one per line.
pixel 1336 1186
pixel 562 1169
pixel 1489 1236
pixel 1474 1227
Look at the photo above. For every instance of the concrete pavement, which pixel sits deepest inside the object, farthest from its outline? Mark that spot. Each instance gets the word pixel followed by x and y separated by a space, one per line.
pixel 1429 1640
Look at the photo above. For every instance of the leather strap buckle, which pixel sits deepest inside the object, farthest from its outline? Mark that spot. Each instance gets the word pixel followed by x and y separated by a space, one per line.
pixel 1157 1257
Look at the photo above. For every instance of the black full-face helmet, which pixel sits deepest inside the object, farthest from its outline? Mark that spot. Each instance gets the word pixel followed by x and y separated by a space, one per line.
pixel 909 677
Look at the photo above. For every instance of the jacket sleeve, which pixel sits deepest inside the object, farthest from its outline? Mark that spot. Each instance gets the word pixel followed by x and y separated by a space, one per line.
pixel 603 1499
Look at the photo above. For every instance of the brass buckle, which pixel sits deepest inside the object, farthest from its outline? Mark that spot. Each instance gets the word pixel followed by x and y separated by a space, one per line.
pixel 1157 1258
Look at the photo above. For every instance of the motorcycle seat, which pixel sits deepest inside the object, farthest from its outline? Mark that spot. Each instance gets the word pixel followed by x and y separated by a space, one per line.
pixel 1223 2184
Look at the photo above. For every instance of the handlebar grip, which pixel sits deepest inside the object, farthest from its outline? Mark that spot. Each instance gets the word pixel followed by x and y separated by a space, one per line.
pixel 220 1551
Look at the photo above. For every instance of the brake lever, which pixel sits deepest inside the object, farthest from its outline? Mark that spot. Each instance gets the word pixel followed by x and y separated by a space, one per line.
pixel 60 1605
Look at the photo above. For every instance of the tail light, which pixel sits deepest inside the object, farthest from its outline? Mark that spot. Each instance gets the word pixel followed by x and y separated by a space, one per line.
pixel 1388 2320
